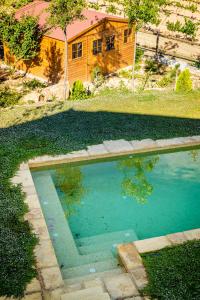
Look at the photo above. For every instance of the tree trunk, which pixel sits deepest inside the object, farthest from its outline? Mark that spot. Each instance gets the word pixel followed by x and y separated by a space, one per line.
pixel 66 90
pixel 157 44
pixel 134 57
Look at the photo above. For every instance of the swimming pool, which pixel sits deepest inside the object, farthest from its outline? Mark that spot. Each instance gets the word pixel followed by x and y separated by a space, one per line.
pixel 92 206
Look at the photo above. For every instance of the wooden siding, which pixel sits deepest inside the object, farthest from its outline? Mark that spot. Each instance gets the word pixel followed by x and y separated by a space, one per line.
pixel 49 63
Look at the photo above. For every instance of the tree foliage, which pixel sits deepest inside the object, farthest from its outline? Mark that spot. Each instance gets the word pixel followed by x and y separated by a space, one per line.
pixel 65 12
pixel 184 81
pixel 21 36
pixel 189 28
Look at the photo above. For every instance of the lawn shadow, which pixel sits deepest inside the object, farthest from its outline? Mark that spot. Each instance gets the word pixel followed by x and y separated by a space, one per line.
pixel 73 130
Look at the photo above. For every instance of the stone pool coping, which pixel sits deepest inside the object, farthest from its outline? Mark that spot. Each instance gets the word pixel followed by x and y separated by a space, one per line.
pixel 50 284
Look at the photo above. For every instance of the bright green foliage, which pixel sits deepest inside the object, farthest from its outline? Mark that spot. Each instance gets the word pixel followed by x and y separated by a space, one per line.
pixel 22 37
pixel 197 63
pixel 78 91
pixel 173 273
pixel 139 55
pixel 33 84
pixel 64 12
pixel 14 3
pixel 184 81
pixel 189 28
pixel 8 97
pixel 141 12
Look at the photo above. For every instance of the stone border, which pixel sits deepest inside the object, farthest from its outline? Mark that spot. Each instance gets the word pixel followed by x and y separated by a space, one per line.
pixel 50 282
pixel 116 148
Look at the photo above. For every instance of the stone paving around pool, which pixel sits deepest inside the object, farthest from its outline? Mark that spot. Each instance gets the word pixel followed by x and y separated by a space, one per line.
pixel 100 286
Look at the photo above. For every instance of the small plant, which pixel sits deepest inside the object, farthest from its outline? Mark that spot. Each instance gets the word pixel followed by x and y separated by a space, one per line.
pixel 125 73
pixel 8 97
pixel 169 78
pixel 139 55
pixel 97 76
pixel 33 84
pixel 197 63
pixel 184 81
pixel 78 91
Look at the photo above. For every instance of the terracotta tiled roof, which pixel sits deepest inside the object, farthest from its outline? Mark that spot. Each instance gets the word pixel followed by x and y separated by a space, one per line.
pixel 38 9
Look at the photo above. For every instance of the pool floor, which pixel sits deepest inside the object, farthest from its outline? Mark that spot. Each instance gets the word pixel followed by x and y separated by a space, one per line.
pixel 91 207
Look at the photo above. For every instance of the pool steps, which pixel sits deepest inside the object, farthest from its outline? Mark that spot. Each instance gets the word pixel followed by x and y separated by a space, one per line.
pixel 92 293
pixel 87 269
pixel 86 256
pixel 107 241
pixel 101 275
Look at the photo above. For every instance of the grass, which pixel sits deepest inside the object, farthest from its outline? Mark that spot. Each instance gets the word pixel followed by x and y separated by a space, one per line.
pixel 57 128
pixel 173 272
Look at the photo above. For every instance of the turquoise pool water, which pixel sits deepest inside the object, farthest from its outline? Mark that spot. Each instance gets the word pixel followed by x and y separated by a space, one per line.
pixel 91 207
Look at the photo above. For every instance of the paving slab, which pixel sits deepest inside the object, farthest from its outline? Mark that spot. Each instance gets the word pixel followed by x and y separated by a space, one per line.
pixel 53 295
pixel 140 277
pixel 97 282
pixel 33 286
pixel 83 294
pixel 192 234
pixel 45 254
pixel 177 238
pixel 34 213
pixel 120 287
pixel 97 150
pixel 32 201
pixel 40 228
pixel 34 296
pixel 118 146
pixel 143 144
pixel 152 244
pixel 129 256
pixel 196 138
pixel 52 278
pixel 73 287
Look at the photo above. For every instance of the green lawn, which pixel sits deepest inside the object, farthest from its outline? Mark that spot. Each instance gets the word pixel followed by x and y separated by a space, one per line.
pixel 174 272
pixel 58 128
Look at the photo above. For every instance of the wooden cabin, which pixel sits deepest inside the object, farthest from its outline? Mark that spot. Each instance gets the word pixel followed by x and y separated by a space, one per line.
pixel 98 40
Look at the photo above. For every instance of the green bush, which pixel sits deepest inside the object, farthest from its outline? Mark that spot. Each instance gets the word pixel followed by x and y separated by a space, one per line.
pixel 173 273
pixel 197 63
pixel 78 91
pixel 33 84
pixel 97 76
pixel 139 55
pixel 169 78
pixel 184 81
pixel 8 97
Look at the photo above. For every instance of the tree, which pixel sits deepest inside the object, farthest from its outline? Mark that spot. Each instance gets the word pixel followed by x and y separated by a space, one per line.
pixel 62 14
pixel 139 13
pixel 184 81
pixel 22 36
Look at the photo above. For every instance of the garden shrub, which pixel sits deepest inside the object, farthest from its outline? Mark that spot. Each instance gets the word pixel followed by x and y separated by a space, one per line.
pixel 33 84
pixel 139 55
pixel 8 97
pixel 97 76
pixel 197 63
pixel 173 272
pixel 78 91
pixel 184 81
pixel 16 253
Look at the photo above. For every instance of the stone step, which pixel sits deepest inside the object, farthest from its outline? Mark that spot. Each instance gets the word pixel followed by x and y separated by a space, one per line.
pixel 108 245
pixel 87 269
pixel 100 275
pixel 123 236
pixel 92 258
pixel 84 294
